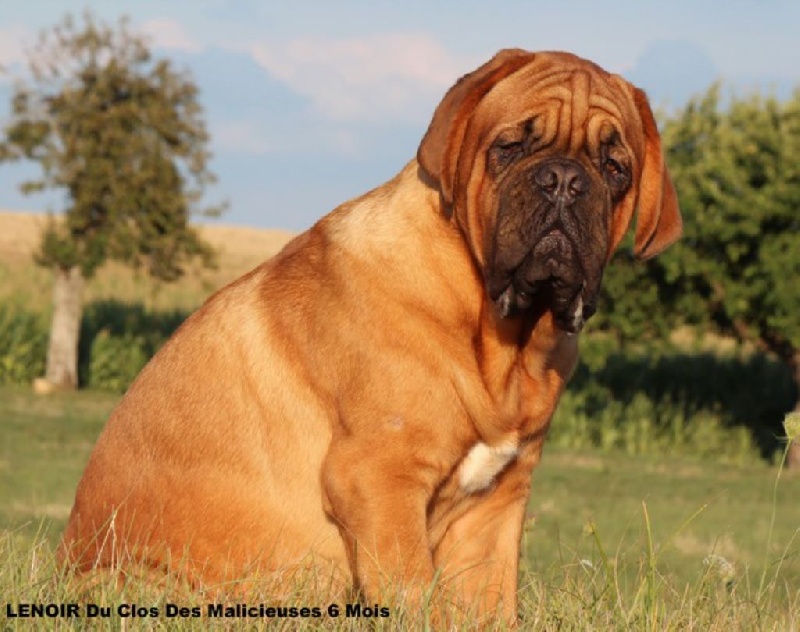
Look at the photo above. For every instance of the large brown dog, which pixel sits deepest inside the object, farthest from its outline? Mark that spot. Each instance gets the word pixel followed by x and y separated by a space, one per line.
pixel 372 401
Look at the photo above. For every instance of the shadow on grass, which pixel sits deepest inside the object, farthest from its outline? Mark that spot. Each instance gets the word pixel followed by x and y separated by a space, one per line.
pixel 753 391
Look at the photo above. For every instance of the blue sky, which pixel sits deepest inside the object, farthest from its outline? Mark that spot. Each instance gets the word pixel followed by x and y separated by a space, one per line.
pixel 311 103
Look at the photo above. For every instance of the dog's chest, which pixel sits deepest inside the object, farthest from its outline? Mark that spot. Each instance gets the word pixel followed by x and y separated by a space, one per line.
pixel 524 388
pixel 484 463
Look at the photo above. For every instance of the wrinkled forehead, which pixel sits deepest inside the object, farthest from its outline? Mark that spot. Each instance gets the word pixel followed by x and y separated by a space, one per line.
pixel 568 97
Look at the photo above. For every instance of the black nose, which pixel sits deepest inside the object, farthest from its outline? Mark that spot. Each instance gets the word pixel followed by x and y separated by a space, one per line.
pixel 561 180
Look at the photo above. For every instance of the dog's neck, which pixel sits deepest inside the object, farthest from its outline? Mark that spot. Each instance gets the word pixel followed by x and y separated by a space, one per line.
pixel 525 363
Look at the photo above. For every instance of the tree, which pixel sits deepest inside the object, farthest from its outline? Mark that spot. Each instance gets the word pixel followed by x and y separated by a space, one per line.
pixel 737 268
pixel 123 136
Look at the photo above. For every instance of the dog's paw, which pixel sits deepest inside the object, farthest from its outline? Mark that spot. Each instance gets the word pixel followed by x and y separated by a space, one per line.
pixel 483 463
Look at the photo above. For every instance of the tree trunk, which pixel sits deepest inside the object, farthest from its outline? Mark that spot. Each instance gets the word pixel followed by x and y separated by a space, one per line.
pixel 793 456
pixel 62 351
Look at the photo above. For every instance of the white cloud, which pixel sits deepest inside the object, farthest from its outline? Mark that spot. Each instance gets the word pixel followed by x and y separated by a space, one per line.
pixel 170 34
pixel 371 77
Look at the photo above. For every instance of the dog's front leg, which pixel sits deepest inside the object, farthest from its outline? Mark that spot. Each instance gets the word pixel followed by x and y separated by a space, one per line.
pixel 378 497
pixel 479 550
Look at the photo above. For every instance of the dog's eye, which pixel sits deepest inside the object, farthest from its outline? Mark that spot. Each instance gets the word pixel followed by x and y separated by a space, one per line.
pixel 617 175
pixel 614 168
pixel 504 152
pixel 616 172
pixel 509 146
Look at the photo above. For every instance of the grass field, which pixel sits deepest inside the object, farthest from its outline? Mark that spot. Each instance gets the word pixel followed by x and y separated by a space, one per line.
pixel 585 507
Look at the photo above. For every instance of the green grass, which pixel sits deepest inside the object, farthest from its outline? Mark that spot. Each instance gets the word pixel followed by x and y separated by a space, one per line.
pixel 671 522
pixel 44 445
pixel 613 542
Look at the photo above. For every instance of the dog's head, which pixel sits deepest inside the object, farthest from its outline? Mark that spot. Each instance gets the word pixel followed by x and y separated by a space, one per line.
pixel 541 159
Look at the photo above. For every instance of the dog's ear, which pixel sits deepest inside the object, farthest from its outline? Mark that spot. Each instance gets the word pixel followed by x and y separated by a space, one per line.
pixel 438 152
pixel 658 221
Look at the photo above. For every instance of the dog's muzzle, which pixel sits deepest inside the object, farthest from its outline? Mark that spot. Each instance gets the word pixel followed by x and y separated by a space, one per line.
pixel 552 271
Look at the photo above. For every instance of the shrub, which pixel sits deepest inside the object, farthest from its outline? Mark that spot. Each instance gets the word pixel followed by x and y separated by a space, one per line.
pixel 23 344
pixel 117 340
pixel 656 401
pixel 114 361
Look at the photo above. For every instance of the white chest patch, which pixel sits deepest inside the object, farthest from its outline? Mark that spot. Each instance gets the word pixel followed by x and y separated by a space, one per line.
pixel 483 463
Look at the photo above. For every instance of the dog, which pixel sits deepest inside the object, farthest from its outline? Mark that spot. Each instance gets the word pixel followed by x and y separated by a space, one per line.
pixel 370 403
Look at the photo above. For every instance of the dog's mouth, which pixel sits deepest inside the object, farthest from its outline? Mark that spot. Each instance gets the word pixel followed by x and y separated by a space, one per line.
pixel 552 275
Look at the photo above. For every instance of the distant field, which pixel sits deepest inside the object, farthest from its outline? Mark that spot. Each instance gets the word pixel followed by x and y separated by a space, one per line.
pixel 240 249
